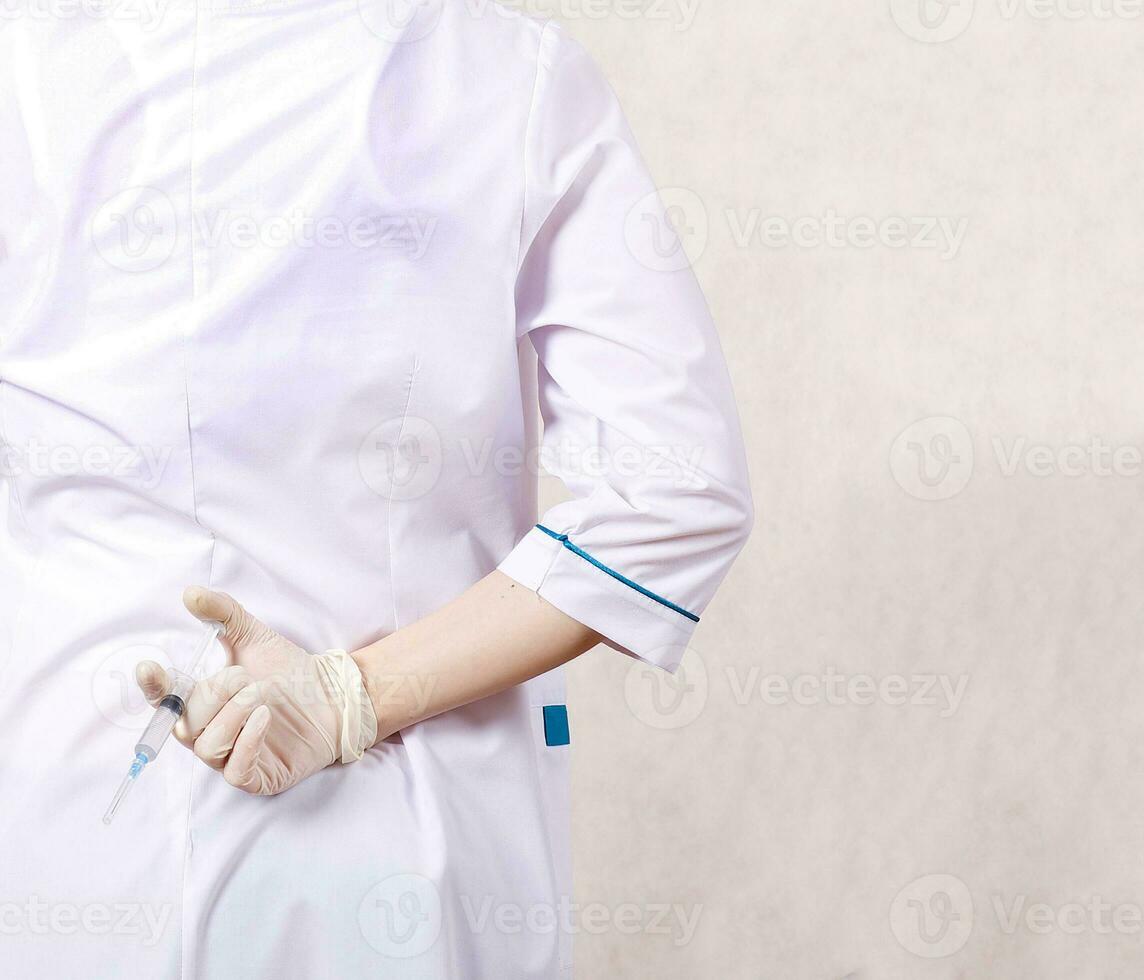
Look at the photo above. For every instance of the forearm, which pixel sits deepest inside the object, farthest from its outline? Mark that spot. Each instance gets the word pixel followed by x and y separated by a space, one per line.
pixel 492 637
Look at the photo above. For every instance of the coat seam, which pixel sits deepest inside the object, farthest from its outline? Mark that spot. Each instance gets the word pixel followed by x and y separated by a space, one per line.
pixel 195 38
pixel 527 155
pixel 389 503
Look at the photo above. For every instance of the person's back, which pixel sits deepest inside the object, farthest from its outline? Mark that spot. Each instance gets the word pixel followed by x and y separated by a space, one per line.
pixel 261 310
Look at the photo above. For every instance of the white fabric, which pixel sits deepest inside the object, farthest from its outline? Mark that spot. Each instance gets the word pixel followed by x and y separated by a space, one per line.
pixel 207 378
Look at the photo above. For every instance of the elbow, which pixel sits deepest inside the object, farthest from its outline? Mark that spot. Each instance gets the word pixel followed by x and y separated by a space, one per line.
pixel 716 541
pixel 747 518
pixel 729 522
pixel 741 518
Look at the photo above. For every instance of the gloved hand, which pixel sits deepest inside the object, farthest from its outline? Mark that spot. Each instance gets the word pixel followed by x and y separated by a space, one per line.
pixel 277 714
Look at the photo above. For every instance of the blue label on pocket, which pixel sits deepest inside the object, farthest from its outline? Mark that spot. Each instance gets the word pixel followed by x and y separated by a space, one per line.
pixel 556 725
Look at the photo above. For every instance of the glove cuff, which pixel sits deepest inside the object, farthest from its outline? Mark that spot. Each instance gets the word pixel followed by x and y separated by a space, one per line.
pixel 359 721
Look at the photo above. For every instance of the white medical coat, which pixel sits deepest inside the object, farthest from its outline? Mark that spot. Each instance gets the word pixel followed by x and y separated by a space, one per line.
pixel 283 283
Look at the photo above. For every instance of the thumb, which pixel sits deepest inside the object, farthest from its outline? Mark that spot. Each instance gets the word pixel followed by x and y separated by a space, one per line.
pixel 152 680
pixel 239 627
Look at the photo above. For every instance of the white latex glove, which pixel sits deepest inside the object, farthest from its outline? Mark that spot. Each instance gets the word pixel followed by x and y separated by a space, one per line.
pixel 277 714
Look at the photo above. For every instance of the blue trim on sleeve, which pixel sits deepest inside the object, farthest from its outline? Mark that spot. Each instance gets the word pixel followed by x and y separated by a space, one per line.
pixel 563 539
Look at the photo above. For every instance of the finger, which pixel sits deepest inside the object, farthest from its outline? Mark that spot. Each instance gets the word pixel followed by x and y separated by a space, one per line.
pixel 214 745
pixel 218 607
pixel 242 770
pixel 153 681
pixel 207 699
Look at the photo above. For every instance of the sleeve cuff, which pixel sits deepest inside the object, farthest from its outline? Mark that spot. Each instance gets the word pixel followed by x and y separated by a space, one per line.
pixel 630 618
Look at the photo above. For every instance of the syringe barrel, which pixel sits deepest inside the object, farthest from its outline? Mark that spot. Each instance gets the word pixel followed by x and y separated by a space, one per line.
pixel 170 709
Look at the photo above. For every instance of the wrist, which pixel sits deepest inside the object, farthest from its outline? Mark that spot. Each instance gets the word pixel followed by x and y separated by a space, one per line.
pixel 355 720
pixel 376 690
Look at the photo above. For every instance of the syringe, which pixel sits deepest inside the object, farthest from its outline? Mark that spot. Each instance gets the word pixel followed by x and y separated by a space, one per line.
pixel 170 709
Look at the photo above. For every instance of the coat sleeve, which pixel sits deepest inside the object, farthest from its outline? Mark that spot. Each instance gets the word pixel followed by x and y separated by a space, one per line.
pixel 639 417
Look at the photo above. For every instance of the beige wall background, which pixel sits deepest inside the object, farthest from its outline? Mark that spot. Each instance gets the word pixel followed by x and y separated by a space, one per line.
pixel 907 743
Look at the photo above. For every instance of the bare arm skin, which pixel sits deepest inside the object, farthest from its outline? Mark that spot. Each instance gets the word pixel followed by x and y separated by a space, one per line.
pixel 494 636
